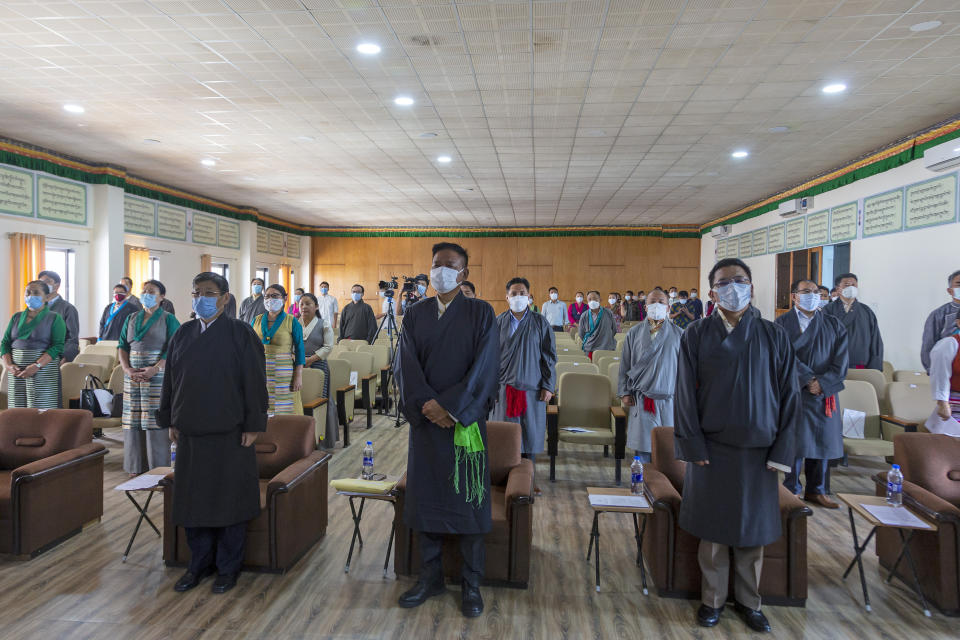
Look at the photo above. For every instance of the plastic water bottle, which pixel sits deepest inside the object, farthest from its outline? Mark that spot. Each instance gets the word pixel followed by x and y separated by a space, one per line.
pixel 173 453
pixel 368 461
pixel 636 477
pixel 895 486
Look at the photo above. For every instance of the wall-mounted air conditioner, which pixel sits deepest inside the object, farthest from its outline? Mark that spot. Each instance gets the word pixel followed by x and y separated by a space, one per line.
pixel 795 207
pixel 943 156
pixel 720 231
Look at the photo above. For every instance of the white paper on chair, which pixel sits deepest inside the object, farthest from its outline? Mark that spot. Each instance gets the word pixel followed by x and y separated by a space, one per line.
pixel 576 430
pixel 354 376
pixel 632 502
pixel 895 516
pixel 143 481
pixel 853 423
pixel 948 427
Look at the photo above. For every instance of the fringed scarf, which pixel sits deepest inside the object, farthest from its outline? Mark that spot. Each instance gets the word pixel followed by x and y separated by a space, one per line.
pixel 468 449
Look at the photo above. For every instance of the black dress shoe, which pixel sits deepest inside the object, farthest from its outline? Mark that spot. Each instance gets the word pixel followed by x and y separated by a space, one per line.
pixel 708 616
pixel 224 583
pixel 753 617
pixel 471 602
pixel 189 580
pixel 420 592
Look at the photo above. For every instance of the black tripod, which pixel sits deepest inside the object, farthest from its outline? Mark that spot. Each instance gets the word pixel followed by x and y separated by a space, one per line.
pixel 388 386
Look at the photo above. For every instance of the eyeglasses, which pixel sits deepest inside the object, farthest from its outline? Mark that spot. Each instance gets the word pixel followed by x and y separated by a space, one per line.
pixel 736 280
pixel 273 296
pixel 806 291
pixel 206 294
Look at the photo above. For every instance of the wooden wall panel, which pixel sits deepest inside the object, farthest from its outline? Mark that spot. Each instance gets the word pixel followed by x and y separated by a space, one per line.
pixel 569 263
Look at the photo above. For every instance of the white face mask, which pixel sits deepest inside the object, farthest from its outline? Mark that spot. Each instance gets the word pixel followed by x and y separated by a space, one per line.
pixel 642 298
pixel 824 303
pixel 594 304
pixel 734 296
pixel 657 311
pixel 444 279
pixel 612 301
pixel 955 292
pixel 673 294
pixel 832 298
pixel 808 301
pixel 579 299
pixel 273 304
pixel 850 292
pixel 518 303
pixel 693 295
pixel 682 301
pixel 554 296
pixel 627 298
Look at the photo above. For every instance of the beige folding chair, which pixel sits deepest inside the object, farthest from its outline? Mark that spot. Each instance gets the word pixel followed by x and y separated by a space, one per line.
pixel 345 394
pixel 584 404
pixel 351 345
pixel 72 377
pixel 911 403
pixel 105 362
pixel 603 353
pixel 572 367
pixel 888 371
pixel 605 362
pixel 569 349
pixel 314 404
pixel 108 343
pixel 861 396
pixel 613 374
pixel 876 380
pixel 101 348
pixel 381 363
pixel 916 377
pixel 362 363
pixel 573 357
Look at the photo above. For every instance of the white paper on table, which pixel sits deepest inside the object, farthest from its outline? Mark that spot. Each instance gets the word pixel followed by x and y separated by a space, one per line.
pixel 605 500
pixel 948 427
pixel 576 430
pixel 895 516
pixel 143 481
pixel 354 376
pixel 853 423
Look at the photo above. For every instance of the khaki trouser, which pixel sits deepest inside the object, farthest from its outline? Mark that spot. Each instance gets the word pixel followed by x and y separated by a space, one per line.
pixel 715 565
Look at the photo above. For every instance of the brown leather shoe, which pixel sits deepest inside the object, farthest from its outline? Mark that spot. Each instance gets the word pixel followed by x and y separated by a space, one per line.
pixel 821 500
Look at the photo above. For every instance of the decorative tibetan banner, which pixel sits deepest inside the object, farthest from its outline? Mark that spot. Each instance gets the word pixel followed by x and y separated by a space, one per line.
pixel 931 202
pixel 796 234
pixel 139 216
pixel 721 250
pixel 745 241
pixel 61 201
pixel 776 238
pixel 883 213
pixel 171 223
pixel 759 240
pixel 228 234
pixel 16 192
pixel 204 228
pixel 263 240
pixel 293 246
pixel 843 223
pixel 818 228
pixel 275 245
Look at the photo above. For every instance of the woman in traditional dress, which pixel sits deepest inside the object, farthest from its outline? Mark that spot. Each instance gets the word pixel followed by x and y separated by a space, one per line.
pixel 318 342
pixel 143 356
pixel 31 350
pixel 282 338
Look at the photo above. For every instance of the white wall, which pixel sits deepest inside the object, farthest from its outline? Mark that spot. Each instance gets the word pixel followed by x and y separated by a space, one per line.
pixel 903 276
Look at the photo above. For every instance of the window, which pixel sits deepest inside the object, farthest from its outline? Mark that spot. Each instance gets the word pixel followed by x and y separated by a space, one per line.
pixel 264 274
pixel 64 263
pixel 221 268
pixel 293 282
pixel 154 268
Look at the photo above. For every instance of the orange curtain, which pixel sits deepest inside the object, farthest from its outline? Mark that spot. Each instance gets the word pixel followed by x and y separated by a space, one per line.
pixel 285 279
pixel 26 261
pixel 138 267
pixel 206 263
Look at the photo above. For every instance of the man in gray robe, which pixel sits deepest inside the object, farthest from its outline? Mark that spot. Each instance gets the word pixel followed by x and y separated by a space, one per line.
pixel 865 345
pixel 57 304
pixel 940 323
pixel 820 342
pixel 528 369
pixel 648 374
pixel 596 327
pixel 736 406
pixel 252 307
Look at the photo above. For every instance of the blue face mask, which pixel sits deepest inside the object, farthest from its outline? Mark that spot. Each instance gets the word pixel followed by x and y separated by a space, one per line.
pixel 34 302
pixel 148 300
pixel 323 291
pixel 257 289
pixel 296 297
pixel 421 289
pixel 205 307
pixel 357 297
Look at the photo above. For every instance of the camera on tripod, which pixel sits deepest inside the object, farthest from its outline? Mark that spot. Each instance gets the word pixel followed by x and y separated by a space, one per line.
pixel 408 290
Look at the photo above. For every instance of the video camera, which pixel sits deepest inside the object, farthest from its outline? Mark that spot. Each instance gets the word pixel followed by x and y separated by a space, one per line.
pixel 408 290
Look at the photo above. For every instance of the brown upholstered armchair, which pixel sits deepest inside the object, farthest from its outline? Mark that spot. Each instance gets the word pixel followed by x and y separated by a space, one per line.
pixel 509 541
pixel 293 499
pixel 671 552
pixel 51 477
pixel 931 471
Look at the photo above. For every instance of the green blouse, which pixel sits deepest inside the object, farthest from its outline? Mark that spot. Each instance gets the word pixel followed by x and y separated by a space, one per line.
pixel 52 343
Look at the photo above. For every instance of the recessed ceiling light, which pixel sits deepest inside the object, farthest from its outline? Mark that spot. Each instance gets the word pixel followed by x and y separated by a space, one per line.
pixel 740 154
pixel 73 108
pixel 837 87
pixel 444 159
pixel 403 101
pixel 925 26
pixel 780 129
pixel 305 138
pixel 594 133
pixel 368 48
pixel 151 141
pixel 208 162
pixel 249 179
pixel 427 134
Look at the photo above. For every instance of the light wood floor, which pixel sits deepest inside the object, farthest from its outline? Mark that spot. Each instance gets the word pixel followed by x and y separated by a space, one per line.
pixel 80 589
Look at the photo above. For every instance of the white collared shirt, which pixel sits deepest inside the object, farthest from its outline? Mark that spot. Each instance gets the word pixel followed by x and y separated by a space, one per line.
pixel 204 325
pixel 803 318
pixel 442 307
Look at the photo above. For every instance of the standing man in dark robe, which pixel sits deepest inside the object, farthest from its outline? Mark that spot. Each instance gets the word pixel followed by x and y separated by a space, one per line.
pixel 111 320
pixel 214 401
pixel 736 405
pixel 57 304
pixel 528 370
pixel 357 320
pixel 252 307
pixel 863 335
pixel 940 323
pixel 596 327
pixel 446 371
pixel 820 344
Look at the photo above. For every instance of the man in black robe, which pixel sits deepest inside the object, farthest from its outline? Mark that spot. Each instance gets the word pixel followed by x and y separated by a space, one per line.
pixel 111 320
pixel 820 343
pixel 736 405
pixel 252 307
pixel 865 345
pixel 447 371
pixel 357 320
pixel 214 401
pixel 71 318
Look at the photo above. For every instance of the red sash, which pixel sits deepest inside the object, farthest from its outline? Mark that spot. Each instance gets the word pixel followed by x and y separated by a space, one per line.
pixel 516 402
pixel 648 405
